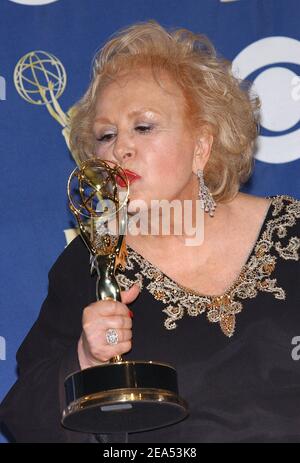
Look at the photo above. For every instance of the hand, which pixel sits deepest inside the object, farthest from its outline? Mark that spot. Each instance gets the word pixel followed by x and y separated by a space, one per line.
pixel 97 318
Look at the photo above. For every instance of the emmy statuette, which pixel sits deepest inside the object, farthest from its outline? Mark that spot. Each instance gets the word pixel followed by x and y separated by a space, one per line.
pixel 119 396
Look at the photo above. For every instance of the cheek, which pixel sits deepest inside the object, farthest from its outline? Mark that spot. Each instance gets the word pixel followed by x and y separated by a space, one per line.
pixel 169 152
pixel 177 161
pixel 103 152
pixel 168 169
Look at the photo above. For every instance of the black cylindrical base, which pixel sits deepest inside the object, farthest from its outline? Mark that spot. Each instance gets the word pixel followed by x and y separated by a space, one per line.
pixel 123 397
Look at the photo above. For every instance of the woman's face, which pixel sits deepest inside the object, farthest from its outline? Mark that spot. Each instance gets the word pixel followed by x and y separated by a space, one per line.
pixel 142 127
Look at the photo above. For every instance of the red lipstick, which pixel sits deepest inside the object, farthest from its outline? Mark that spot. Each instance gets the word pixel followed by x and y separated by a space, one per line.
pixel 131 176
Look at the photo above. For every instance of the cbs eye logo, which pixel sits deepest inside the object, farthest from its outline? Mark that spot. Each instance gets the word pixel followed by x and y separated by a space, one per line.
pixel 2 348
pixel 33 2
pixel 273 65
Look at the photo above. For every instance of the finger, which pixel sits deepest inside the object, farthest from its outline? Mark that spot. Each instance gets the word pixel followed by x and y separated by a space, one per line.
pixel 108 308
pixel 114 322
pixel 130 294
pixel 122 336
pixel 120 349
pixel 104 353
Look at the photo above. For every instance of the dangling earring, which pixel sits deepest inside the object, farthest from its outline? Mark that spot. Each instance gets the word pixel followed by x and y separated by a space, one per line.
pixel 207 201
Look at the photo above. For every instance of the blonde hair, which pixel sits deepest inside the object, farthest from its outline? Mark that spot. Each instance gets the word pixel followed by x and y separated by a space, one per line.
pixel 214 97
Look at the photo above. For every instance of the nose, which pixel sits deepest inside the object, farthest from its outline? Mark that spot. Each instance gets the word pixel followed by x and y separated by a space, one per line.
pixel 123 149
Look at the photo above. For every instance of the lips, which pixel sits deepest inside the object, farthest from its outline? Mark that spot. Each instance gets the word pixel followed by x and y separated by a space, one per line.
pixel 131 177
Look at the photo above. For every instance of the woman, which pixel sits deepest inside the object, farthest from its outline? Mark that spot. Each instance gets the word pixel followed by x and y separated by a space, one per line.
pixel 224 312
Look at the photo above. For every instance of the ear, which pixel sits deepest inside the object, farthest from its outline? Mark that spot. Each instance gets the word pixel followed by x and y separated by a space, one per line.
pixel 203 146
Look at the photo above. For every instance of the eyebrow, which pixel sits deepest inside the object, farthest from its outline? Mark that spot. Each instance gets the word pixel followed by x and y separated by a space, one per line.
pixel 131 114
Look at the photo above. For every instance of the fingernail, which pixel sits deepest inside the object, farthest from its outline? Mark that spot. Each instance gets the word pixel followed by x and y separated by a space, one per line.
pixel 130 313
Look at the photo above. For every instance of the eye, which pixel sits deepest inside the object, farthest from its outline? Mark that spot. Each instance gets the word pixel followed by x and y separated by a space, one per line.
pixel 144 128
pixel 106 137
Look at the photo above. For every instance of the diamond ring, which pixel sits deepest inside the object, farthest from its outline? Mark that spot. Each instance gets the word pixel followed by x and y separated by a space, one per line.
pixel 111 336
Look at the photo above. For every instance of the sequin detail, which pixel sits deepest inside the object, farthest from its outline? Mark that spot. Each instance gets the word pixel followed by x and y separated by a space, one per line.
pixel 255 276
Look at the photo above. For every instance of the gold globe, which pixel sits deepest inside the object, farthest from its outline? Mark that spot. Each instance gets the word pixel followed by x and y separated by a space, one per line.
pixel 39 77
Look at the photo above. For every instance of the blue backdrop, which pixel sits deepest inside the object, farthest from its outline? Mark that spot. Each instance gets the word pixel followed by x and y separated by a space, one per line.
pixel 262 37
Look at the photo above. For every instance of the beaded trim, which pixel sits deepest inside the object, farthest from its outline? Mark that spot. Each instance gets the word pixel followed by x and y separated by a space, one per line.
pixel 255 274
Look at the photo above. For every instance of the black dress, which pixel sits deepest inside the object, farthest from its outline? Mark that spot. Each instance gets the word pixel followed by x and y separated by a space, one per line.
pixel 237 355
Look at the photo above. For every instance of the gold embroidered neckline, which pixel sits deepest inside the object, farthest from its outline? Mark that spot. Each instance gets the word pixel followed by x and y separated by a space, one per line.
pixel 253 277
pixel 236 280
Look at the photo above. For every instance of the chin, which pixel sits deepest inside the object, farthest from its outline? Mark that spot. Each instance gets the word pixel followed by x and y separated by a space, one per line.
pixel 137 205
pixel 139 201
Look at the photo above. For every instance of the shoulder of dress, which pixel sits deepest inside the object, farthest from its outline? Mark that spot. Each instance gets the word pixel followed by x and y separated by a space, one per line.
pixel 282 229
pixel 74 257
pixel 285 205
pixel 283 198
